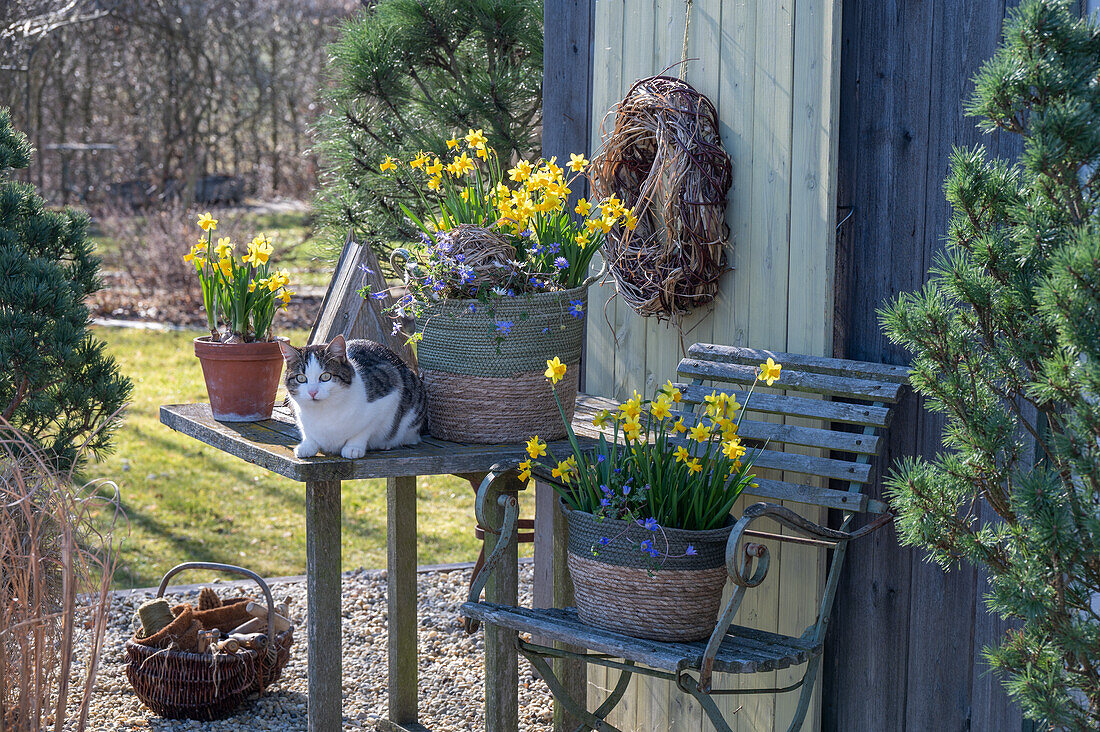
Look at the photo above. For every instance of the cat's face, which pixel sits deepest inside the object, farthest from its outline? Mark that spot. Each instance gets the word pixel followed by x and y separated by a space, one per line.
pixel 317 373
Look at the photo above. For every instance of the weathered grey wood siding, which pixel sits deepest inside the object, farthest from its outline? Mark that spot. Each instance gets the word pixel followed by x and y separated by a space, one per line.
pixel 904 651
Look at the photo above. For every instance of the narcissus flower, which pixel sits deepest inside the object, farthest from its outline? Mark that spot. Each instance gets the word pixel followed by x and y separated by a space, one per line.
pixel 632 407
pixel 694 465
pixel 462 164
pixel 632 428
pixel 660 408
pixel 673 393
pixel 195 251
pixel 536 447
pixel 452 143
pixel 225 246
pixel 388 164
pixel 476 139
pixel 583 207
pixel 435 169
pixel 525 470
pixel 225 266
pixel 682 454
pixel 733 449
pixel 769 371
pixel 577 163
pixel 565 469
pixel 699 433
pixel 602 418
pixel 207 222
pixel 521 172
pixel 679 426
pixel 582 240
pixel 258 252
pixel 285 297
pixel 555 370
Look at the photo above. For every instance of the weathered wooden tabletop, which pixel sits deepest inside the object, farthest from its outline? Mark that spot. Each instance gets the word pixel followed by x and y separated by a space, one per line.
pixel 270 444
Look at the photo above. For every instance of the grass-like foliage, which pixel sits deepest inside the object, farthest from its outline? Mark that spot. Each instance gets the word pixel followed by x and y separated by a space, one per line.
pixel 1007 342
pixel 56 562
pixel 57 385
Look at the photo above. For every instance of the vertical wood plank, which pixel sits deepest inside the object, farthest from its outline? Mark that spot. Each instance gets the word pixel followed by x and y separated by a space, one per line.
pixel 401 597
pixel 607 80
pixel 501 662
pixel 323 620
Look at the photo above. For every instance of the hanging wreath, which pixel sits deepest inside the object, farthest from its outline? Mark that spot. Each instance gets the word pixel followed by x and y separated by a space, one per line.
pixel 665 160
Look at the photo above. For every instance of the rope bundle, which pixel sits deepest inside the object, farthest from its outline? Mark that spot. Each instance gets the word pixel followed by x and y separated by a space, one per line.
pixel 664 158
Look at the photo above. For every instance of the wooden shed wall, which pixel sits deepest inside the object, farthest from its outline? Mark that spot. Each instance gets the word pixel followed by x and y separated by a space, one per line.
pixel 771 68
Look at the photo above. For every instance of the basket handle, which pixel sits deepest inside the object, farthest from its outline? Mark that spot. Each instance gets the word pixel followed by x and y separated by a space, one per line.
pixel 592 278
pixel 217 566
pixel 406 257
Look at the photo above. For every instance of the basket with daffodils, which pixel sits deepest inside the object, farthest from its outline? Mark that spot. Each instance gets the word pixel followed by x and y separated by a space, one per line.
pixel 240 359
pixel 649 508
pixel 498 280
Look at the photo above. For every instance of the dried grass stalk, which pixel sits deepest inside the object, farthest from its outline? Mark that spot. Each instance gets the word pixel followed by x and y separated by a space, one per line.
pixel 664 158
pixel 56 562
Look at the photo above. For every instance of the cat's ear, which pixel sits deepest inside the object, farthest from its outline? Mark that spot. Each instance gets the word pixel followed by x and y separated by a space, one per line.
pixel 337 347
pixel 290 353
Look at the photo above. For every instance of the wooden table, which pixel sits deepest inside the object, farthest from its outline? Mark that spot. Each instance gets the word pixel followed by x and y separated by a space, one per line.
pixel 270 445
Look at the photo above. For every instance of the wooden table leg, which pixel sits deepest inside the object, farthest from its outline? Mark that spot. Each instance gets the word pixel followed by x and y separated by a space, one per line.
pixel 401 599
pixel 554 588
pixel 323 588
pixel 501 662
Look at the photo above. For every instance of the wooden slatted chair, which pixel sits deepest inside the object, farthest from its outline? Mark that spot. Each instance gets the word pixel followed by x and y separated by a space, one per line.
pixel 849 404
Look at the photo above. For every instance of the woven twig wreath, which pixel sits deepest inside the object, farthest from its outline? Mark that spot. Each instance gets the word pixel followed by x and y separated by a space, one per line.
pixel 665 159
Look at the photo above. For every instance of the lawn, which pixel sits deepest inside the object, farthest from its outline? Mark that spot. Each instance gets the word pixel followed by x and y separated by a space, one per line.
pixel 188 502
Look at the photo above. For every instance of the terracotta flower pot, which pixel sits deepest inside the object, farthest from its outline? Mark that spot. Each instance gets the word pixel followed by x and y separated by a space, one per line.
pixel 241 378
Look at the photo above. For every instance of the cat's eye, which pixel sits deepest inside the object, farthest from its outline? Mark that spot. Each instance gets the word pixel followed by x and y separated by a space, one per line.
pixel 326 376
pixel 301 378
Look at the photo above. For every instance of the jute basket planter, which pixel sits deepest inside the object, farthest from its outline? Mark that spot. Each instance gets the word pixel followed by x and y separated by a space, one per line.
pixel 677 601
pixel 486 390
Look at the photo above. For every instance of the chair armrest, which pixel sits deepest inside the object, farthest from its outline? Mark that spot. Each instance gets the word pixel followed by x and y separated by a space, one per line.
pixel 488 493
pixel 747 564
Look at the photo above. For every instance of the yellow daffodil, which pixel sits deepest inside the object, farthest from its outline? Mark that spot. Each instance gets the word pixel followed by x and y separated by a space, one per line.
pixel 224 248
pixel 564 470
pixel 577 163
pixel 195 250
pixel 388 164
pixel 632 407
pixel 482 153
pixel 632 428
pixel 605 224
pixel 465 194
pixel 583 207
pixel 682 454
pixel 716 405
pixel 452 143
pixel 476 139
pixel 536 447
pixel 555 370
pixel 694 465
pixel 602 418
pixel 729 428
pixel 525 471
pixel 660 408
pixel 225 266
pixel 419 161
pixel 207 222
pixel 521 172
pixel 699 433
pixel 769 371
pixel 462 164
pixel 258 252
pixel 434 181
pixel 733 449
pixel 553 170
pixel 630 221
pixel 252 286
pixel 435 168
pixel 679 426
pixel 285 296
pixel 582 240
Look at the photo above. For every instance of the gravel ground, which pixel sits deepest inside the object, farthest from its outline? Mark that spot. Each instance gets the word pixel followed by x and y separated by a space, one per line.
pixel 451 664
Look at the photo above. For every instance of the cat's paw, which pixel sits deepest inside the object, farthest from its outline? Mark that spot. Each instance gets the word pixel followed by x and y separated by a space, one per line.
pixel 307 449
pixel 353 452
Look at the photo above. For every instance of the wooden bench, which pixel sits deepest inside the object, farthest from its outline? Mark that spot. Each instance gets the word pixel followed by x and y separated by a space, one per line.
pixel 831 414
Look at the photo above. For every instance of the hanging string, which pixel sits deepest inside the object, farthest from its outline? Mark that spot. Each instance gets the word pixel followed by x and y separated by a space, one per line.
pixel 687 28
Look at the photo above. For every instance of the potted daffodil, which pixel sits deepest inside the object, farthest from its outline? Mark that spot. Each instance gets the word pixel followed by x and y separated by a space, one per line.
pixel 649 508
pixel 241 360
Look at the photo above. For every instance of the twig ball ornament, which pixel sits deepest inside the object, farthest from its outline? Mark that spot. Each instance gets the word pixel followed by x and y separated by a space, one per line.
pixel 664 158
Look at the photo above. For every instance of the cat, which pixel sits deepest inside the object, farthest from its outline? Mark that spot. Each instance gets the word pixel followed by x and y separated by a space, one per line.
pixel 353 396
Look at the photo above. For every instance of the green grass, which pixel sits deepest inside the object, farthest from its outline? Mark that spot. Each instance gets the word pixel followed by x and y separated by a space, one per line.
pixel 189 502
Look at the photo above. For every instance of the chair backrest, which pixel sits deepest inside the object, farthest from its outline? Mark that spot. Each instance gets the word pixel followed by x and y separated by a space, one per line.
pixel 806 392
pixel 344 310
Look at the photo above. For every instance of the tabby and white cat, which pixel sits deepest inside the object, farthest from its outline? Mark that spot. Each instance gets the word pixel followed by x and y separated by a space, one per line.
pixel 353 396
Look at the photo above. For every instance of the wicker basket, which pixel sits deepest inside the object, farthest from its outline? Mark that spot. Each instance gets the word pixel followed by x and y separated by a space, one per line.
pixel 676 600
pixel 484 387
pixel 202 686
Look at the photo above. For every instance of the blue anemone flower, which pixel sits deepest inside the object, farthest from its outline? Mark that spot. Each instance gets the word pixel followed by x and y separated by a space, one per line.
pixel 576 308
pixel 561 262
pixel 690 552
pixel 504 326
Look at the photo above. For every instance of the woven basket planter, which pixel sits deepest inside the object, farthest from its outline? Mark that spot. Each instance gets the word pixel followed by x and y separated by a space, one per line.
pixel 485 390
pixel 677 601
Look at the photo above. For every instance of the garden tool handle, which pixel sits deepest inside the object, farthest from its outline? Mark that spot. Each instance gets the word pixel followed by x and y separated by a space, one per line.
pixel 218 567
